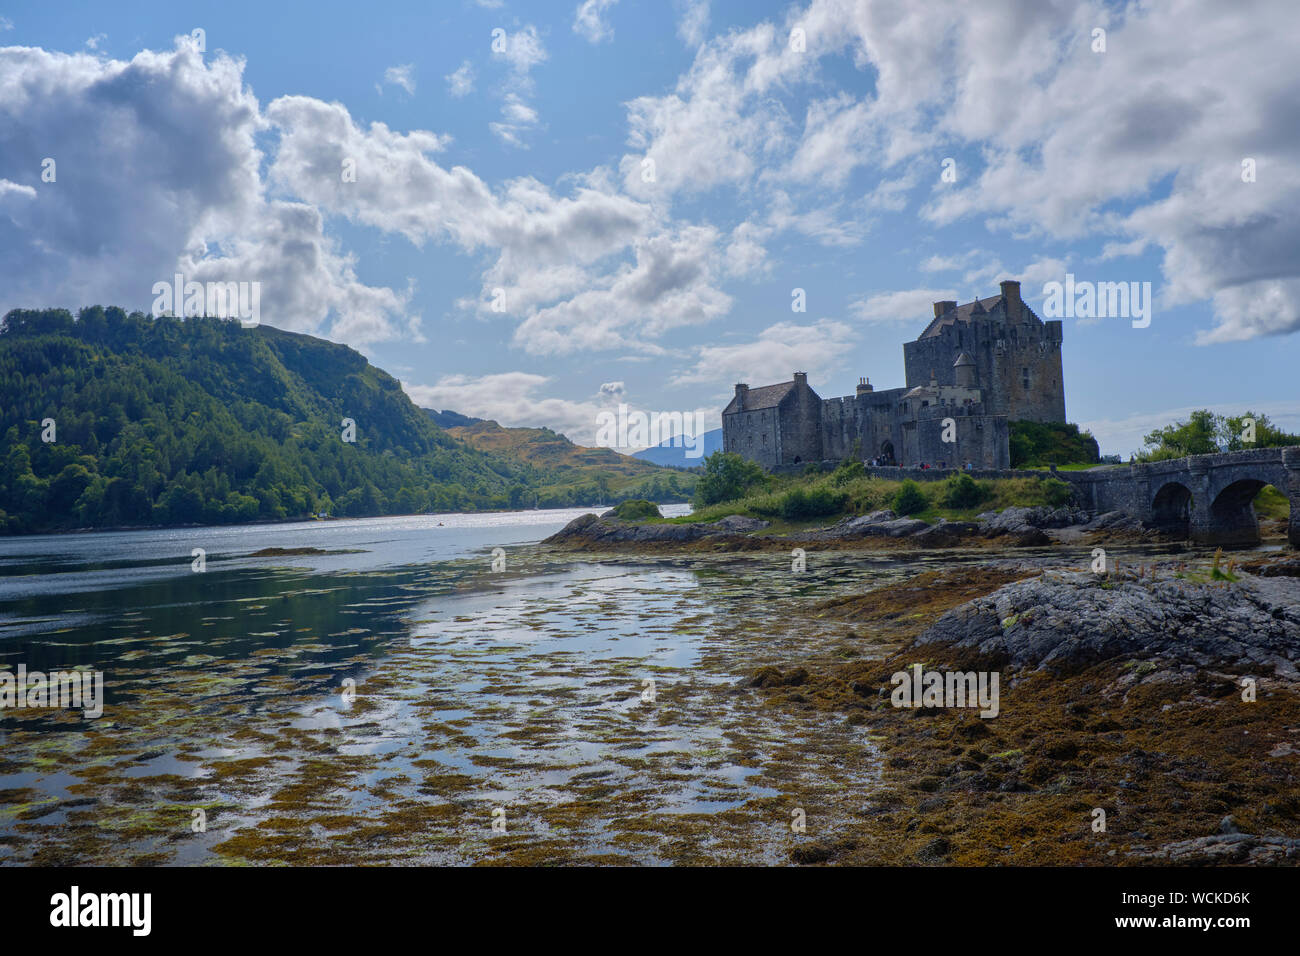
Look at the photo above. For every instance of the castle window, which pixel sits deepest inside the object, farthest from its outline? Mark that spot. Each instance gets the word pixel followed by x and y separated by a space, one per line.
pixel 1025 375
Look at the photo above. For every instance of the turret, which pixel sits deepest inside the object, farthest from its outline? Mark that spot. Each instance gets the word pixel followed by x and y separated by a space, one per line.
pixel 964 370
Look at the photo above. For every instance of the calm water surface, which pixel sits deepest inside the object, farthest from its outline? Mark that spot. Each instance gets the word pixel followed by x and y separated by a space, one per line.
pixel 593 706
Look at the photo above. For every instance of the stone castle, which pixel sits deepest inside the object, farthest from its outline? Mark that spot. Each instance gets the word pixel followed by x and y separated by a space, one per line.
pixel 981 365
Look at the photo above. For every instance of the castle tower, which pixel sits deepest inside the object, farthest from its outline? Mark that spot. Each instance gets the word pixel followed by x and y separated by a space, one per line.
pixel 964 370
pixel 1016 355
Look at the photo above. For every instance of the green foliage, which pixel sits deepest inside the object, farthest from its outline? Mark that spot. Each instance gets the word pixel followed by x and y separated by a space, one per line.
pixel 1205 433
pixel 169 421
pixel 815 502
pixel 1037 444
pixel 1271 503
pixel 636 510
pixel 1057 492
pixel 961 491
pixel 727 476
pixel 909 499
pixel 848 470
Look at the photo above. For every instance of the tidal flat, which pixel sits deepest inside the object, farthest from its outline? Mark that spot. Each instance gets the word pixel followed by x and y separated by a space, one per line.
pixel 603 709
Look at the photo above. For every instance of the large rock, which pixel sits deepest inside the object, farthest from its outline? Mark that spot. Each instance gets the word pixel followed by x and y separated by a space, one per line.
pixel 737 524
pixel 1065 622
pixel 588 529
pixel 1020 520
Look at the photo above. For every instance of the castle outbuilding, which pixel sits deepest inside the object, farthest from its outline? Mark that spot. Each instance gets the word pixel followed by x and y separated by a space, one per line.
pixel 974 369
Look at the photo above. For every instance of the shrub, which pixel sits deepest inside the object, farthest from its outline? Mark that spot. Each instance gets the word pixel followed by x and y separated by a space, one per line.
pixel 727 476
pixel 963 491
pixel 910 499
pixel 636 509
pixel 812 503
pixel 848 471
pixel 1057 492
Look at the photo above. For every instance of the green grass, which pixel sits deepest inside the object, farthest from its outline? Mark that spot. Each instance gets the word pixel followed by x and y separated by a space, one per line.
pixel 862 495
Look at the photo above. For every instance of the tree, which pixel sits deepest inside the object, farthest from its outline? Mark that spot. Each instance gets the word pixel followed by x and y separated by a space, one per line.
pixel 910 499
pixel 1205 433
pixel 1196 436
pixel 727 476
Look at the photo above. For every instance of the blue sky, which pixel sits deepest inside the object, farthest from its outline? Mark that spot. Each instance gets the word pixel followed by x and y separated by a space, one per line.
pixel 778 165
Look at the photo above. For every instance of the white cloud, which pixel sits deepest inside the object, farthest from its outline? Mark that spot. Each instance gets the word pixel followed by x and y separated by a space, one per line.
pixel 93 43
pixel 461 82
pixel 1057 141
pixel 522 50
pixel 779 350
pixel 517 119
pixel 588 22
pixel 512 399
pixel 133 203
pixel 593 271
pixel 16 189
pixel 403 76
pixel 694 22
pixel 908 305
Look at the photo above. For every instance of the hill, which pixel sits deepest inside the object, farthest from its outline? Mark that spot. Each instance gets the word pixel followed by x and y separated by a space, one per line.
pixel 665 453
pixel 114 419
pixel 617 477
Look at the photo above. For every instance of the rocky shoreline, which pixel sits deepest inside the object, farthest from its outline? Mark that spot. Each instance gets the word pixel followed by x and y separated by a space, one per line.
pixel 1165 698
pixel 1016 527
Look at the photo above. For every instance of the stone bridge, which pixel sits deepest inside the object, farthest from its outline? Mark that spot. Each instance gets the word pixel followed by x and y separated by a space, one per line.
pixel 1209 498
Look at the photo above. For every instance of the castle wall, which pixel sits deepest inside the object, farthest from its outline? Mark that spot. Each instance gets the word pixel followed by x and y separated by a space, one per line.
pixel 866 421
pixel 983 440
pixel 754 435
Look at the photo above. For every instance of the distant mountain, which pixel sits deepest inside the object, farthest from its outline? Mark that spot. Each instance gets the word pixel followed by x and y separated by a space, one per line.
pixel 620 476
pixel 112 419
pixel 675 456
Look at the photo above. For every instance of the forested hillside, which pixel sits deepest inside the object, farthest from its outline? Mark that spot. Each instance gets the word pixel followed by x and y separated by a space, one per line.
pixel 616 477
pixel 169 421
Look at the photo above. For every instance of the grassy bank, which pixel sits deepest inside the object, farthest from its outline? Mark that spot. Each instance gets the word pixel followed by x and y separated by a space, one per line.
pixel 848 491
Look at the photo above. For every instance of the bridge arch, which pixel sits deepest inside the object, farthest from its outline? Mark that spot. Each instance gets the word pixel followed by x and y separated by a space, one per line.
pixel 1171 509
pixel 1232 512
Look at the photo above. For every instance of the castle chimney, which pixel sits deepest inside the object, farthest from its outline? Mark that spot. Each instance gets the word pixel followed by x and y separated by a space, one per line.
pixel 801 378
pixel 943 308
pixel 864 386
pixel 741 390
pixel 1011 292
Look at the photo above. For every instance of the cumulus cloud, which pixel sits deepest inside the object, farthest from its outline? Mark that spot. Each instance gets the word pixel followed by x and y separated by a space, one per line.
pixel 594 270
pixel 779 350
pixel 589 22
pixel 907 305
pixel 132 202
pixel 515 400
pixel 1057 141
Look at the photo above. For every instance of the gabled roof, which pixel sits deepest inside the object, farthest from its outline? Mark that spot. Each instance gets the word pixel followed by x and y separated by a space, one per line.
pixel 765 396
pixel 962 313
